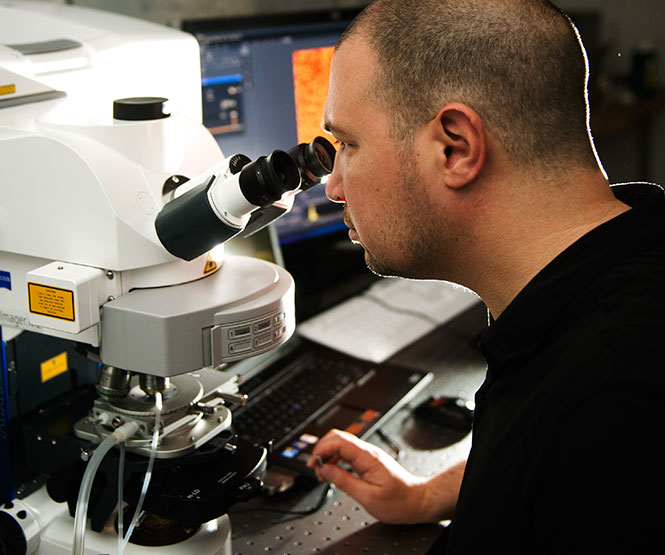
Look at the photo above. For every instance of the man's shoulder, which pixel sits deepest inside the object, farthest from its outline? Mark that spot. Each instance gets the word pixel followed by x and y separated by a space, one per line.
pixel 634 287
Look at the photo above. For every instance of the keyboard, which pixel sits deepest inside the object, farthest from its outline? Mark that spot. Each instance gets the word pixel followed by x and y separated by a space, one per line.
pixel 293 396
pixel 312 389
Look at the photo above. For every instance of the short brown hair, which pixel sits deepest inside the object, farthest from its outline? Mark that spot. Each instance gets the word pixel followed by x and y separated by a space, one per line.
pixel 519 63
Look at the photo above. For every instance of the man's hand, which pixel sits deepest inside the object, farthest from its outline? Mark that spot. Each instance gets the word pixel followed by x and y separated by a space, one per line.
pixel 387 491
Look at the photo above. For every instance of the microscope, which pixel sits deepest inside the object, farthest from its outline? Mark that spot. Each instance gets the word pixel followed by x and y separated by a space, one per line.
pixel 119 309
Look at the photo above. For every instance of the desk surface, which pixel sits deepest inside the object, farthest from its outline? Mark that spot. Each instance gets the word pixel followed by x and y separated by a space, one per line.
pixel 341 525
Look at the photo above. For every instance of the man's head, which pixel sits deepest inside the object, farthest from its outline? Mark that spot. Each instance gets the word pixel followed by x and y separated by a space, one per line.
pixel 518 63
pixel 436 100
pixel 386 202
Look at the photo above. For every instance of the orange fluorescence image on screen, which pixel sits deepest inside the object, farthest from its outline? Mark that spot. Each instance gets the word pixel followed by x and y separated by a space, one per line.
pixel 311 69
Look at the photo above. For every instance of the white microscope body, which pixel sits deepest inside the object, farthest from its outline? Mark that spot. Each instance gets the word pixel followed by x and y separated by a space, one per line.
pixel 84 257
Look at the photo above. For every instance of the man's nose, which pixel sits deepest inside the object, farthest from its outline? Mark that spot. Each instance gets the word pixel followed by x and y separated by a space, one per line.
pixel 334 190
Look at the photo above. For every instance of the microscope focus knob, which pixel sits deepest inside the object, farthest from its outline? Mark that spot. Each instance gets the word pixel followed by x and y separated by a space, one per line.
pixel 139 108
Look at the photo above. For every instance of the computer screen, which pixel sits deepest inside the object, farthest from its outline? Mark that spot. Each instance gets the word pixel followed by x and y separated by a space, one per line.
pixel 264 84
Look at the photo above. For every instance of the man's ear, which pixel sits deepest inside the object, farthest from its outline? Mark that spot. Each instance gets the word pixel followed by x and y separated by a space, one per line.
pixel 463 142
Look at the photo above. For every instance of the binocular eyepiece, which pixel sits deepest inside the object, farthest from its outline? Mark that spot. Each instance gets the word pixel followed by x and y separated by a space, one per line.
pixel 315 160
pixel 267 178
pixel 219 208
pixel 271 177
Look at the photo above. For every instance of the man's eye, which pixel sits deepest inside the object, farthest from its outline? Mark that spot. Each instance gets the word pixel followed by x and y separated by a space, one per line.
pixel 341 145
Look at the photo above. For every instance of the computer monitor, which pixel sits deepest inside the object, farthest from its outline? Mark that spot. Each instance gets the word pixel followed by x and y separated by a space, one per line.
pixel 264 84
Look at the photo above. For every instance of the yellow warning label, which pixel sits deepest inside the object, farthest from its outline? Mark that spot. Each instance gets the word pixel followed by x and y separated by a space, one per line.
pixel 7 89
pixel 312 213
pixel 210 266
pixel 54 366
pixel 51 301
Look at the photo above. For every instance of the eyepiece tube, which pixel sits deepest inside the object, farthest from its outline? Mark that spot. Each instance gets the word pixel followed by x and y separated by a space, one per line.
pixel 218 209
pixel 315 160
pixel 188 226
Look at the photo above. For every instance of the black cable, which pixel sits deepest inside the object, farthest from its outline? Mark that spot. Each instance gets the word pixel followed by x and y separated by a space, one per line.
pixel 305 512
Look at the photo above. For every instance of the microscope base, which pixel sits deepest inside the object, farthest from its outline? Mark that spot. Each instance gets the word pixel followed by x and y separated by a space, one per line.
pixel 48 528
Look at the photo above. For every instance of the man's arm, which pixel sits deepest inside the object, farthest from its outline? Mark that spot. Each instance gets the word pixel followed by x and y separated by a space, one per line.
pixel 386 490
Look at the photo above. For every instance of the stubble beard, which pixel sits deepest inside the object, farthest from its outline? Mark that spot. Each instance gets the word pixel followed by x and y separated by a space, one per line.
pixel 411 247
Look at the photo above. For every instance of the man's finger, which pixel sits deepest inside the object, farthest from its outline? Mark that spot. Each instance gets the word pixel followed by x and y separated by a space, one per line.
pixel 345 481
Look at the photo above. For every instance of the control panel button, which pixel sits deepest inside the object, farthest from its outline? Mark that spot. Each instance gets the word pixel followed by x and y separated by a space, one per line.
pixel 240 347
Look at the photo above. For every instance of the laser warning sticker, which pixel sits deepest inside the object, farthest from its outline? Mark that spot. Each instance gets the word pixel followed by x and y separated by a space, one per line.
pixel 53 302
pixel 7 89
pixel 54 366
pixel 210 265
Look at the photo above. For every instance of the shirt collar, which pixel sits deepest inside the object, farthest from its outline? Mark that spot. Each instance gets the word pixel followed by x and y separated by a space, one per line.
pixel 521 327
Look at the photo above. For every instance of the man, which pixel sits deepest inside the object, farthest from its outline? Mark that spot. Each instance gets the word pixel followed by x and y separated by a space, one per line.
pixel 465 156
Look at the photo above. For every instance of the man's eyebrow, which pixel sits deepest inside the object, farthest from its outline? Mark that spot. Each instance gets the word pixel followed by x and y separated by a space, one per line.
pixel 330 128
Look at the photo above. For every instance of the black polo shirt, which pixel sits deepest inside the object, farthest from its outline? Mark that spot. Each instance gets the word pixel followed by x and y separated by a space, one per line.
pixel 566 454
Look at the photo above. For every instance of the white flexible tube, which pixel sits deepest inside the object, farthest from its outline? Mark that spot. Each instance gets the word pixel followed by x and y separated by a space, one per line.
pixel 121 484
pixel 121 434
pixel 148 474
